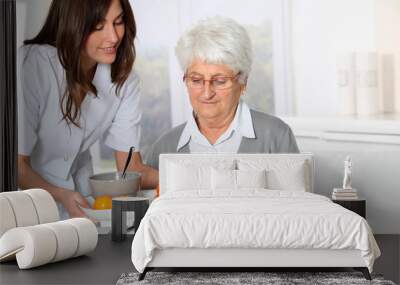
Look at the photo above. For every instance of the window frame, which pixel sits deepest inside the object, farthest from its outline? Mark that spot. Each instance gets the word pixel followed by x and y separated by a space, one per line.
pixel 282 66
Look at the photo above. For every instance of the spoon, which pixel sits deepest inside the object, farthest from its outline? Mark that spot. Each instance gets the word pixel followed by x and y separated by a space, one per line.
pixel 128 160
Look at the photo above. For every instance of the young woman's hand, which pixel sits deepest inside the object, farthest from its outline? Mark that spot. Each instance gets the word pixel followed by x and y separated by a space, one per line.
pixel 71 201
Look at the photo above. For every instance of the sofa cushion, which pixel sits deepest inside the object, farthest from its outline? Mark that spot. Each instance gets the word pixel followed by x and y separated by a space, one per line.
pixel 40 244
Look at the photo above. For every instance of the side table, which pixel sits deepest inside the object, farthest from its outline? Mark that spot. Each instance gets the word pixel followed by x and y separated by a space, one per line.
pixel 358 206
pixel 121 205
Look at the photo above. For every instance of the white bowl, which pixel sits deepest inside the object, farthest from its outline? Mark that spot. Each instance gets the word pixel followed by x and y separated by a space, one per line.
pixel 98 215
pixel 103 217
pixel 112 184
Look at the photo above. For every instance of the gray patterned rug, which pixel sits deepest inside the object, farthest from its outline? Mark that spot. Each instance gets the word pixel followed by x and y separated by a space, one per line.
pixel 242 278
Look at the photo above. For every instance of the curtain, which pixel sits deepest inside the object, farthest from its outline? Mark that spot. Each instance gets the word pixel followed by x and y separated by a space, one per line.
pixel 8 98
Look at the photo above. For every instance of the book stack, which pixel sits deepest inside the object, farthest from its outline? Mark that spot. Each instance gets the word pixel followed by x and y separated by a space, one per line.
pixel 344 194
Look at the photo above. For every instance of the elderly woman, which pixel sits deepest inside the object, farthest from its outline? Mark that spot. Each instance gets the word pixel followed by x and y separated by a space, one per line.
pixel 216 58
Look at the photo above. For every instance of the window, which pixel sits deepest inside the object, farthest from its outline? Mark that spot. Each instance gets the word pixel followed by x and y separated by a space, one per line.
pixel 160 23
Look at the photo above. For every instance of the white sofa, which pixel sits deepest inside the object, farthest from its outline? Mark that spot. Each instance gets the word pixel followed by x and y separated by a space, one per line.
pixel 31 233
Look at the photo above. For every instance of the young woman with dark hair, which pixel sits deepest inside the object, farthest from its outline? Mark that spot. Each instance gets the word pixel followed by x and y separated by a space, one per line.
pixel 77 85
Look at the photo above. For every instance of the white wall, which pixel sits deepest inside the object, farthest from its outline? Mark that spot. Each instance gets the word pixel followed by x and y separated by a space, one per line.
pixel 374 146
pixel 388 43
pixel 321 30
pixel 387 13
pixel 30 18
pixel 376 175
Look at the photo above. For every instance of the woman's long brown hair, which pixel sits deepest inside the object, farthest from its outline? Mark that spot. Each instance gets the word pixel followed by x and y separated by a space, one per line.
pixel 68 25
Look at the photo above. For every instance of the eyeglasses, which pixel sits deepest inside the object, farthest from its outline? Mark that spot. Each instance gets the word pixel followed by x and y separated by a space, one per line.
pixel 217 82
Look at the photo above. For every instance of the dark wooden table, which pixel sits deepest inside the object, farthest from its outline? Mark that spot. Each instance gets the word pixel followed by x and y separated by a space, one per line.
pixel 358 206
pixel 102 266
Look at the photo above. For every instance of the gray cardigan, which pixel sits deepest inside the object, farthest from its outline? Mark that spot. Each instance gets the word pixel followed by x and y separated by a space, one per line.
pixel 272 136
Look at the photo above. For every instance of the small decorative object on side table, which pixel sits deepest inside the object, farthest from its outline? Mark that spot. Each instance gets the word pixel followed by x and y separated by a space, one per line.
pixel 121 205
pixel 347 196
pixel 358 206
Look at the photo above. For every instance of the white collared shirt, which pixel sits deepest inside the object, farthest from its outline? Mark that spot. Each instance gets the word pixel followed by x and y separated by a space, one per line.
pixel 229 141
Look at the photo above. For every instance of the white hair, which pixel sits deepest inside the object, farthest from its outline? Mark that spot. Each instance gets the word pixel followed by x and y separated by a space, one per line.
pixel 217 40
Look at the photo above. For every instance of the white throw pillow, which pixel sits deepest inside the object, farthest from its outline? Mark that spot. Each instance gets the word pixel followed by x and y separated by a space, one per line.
pixel 182 178
pixel 223 179
pixel 288 179
pixel 236 179
pixel 282 174
pixel 251 178
pixel 184 175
